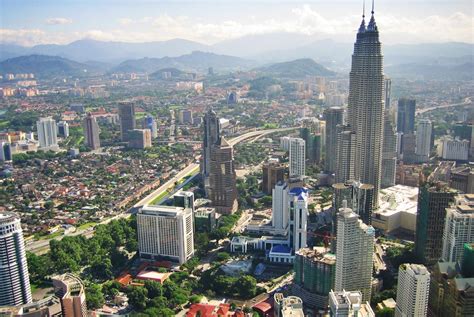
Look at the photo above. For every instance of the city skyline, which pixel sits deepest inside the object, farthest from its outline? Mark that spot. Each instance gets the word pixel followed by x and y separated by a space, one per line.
pixel 53 22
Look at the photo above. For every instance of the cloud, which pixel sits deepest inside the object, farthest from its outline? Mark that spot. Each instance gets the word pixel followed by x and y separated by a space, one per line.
pixel 125 21
pixel 58 21
pixel 303 19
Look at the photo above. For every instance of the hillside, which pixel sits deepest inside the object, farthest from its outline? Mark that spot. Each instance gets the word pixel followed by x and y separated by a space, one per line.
pixel 299 68
pixel 45 66
pixel 196 61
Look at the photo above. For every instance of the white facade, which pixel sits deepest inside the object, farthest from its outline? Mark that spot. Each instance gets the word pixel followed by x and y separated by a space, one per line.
pixel 348 304
pixel 14 278
pixel 280 206
pixel 412 291
pixel 458 228
pixel 297 157
pixel 298 210
pixel 47 132
pixel 165 232
pixel 285 143
pixel 355 246
pixel 453 149
pixel 423 140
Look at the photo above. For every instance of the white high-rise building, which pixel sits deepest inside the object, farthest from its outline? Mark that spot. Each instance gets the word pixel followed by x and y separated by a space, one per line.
pixel 297 157
pixel 47 132
pixel 412 291
pixel 366 105
pixel 165 232
pixel 280 206
pixel 458 227
pixel 423 140
pixel 14 278
pixel 298 212
pixel 454 149
pixel 354 256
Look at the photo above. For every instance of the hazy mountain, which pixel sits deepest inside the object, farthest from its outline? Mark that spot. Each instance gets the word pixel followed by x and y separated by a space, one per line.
pixel 432 71
pixel 196 61
pixel 174 72
pixel 46 66
pixel 299 68
pixel 115 52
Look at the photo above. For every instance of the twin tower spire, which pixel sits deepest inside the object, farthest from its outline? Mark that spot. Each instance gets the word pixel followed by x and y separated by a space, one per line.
pixel 372 26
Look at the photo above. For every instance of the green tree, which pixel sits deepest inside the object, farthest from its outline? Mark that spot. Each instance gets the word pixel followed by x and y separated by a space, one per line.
pixel 222 256
pixel 94 296
pixel 154 288
pixel 137 297
pixel 246 286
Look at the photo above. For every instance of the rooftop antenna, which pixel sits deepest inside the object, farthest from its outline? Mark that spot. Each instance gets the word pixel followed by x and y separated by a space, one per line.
pixel 373 7
pixel 363 10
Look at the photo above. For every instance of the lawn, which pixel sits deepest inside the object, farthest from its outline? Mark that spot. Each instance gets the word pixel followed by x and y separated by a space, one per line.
pixel 87 225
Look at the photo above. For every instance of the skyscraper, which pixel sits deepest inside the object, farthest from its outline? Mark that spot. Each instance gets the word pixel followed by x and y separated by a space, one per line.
pixel 72 294
pixel 222 190
pixel 354 256
pixel 212 135
pixel 165 232
pixel 150 123
pixel 366 105
pixel 334 116
pixel 389 152
pixel 406 115
pixel 14 279
pixel 315 271
pixel 349 304
pixel 423 140
pixel 273 172
pixel 298 212
pixel 345 154
pixel 47 132
pixel 91 132
pixel 388 92
pixel 63 129
pixel 139 138
pixel 127 119
pixel 313 145
pixel 433 199
pixel 458 227
pixel 413 290
pixel 297 157
pixel 280 206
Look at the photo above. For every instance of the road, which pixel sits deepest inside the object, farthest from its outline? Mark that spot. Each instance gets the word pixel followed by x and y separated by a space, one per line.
pixel 42 246
pixel 466 101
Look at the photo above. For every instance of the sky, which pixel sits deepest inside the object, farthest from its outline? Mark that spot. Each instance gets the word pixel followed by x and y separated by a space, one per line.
pixel 32 22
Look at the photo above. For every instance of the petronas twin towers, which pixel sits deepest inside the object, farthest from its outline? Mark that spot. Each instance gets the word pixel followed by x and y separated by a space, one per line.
pixel 366 105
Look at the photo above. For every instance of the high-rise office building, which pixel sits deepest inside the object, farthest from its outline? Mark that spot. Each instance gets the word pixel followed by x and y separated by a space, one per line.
pixel 408 148
pixel 273 172
pixel 165 232
pixel 72 294
pixel 388 92
pixel 5 151
pixel 366 105
pixel 297 157
pixel 150 123
pixel 315 271
pixel 185 116
pixel 47 132
pixel 433 199
pixel 413 290
pixel 348 304
pixel 91 132
pixel 212 136
pixel 287 306
pixel 63 129
pixel 389 153
pixel 406 115
pixel 355 247
pixel 280 206
pixel 423 140
pixel 298 220
pixel 345 154
pixel 334 117
pixel 14 279
pixel 139 138
pixel 222 190
pixel 458 227
pixel 313 145
pixel 127 119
